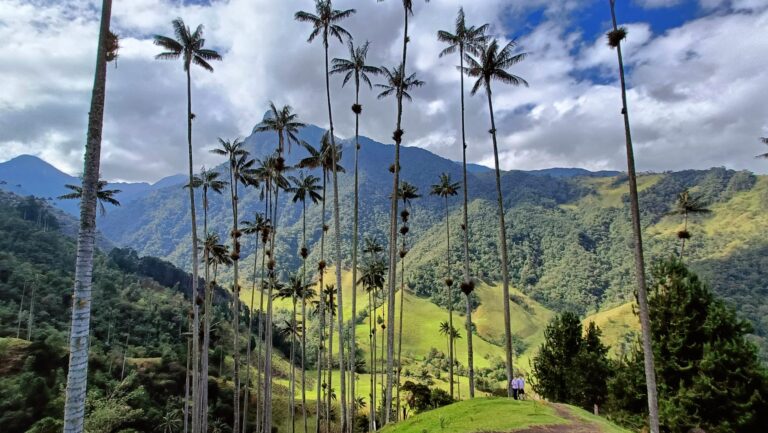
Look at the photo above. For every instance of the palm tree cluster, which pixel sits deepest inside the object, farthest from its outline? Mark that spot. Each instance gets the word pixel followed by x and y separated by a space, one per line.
pixel 485 59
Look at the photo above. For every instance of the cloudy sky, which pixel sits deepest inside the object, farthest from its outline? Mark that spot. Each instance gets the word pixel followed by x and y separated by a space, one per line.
pixel 697 72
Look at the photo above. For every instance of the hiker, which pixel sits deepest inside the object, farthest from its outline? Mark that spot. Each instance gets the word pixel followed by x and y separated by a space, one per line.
pixel 515 388
pixel 520 387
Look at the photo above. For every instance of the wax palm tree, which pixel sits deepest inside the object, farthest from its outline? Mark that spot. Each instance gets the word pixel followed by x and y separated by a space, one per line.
pixel 77 370
pixel 253 228
pixel 294 291
pixel 394 82
pixel 445 188
pixel 240 172
pixel 283 121
pixel 687 205
pixel 464 39
pixel 492 66
pixel 102 195
pixel 304 187
pixel 397 136
pixel 615 37
pixel 325 24
pixel 355 68
pixel 372 278
pixel 306 295
pixel 207 180
pixel 189 46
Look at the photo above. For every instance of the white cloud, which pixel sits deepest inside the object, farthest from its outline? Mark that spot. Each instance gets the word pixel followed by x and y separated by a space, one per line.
pixel 695 98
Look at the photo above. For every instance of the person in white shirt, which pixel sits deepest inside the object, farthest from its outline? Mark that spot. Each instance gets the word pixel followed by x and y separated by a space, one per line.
pixel 520 387
pixel 515 389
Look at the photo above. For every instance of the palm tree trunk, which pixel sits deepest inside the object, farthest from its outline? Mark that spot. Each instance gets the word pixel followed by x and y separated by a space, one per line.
pixel 304 318
pixel 250 337
pixel 503 248
pixel 262 318
pixel 400 333
pixel 372 369
pixel 642 295
pixel 355 228
pixel 233 175
pixel 292 399
pixel 470 357
pixel 30 319
pixel 319 401
pixel 450 294
pixel 207 311
pixel 186 383
pixel 393 227
pixel 329 365
pixel 273 278
pixel 77 374
pixel 337 247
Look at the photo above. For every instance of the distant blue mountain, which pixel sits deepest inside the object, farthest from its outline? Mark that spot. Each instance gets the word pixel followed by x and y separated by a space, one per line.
pixel 27 175
pixel 560 172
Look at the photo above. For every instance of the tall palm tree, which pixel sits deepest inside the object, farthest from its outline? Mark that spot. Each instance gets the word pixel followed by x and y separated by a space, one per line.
pixel 615 37
pixel 77 372
pixel 687 205
pixel 372 279
pixel 189 46
pixel 397 136
pixel 294 291
pixel 254 228
pixel 445 188
pixel 407 192
pixel 355 67
pixel 207 180
pixel 285 123
pixel 394 83
pixel 304 187
pixel 464 39
pixel 102 195
pixel 492 66
pixel 240 172
pixel 325 23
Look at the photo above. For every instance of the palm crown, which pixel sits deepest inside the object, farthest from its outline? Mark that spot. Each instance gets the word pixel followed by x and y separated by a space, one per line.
pixel 408 5
pixel 407 192
pixel 284 122
pixel 688 204
pixel 305 187
pixel 102 195
pixel 355 65
pixel 208 180
pixel 465 39
pixel 492 64
pixel 188 45
pixel 445 187
pixel 324 21
pixel 763 140
pixel 323 157
pixel 394 77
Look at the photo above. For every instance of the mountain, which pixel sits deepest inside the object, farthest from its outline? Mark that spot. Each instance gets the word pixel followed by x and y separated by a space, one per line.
pixel 568 235
pixel 27 175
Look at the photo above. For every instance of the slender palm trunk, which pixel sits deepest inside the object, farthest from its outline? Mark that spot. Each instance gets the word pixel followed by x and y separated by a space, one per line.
pixel 329 364
pixel 304 318
pixel 250 334
pixel 233 176
pixel 503 248
pixel 208 312
pixel 393 228
pixel 77 375
pixel 319 400
pixel 31 318
pixel 682 239
pixel 467 280
pixel 292 396
pixel 642 295
pixel 450 293
pixel 262 318
pixel 337 247
pixel 400 333
pixel 186 383
pixel 355 228
pixel 273 282
pixel 372 369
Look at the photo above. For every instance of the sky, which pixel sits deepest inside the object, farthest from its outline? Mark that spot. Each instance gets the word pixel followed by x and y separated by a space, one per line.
pixel 696 70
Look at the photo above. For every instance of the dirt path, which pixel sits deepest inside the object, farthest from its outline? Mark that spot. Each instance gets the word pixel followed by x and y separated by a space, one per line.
pixel 576 425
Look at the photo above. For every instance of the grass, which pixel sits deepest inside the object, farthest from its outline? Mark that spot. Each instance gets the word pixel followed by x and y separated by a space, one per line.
pixel 610 195
pixel 615 323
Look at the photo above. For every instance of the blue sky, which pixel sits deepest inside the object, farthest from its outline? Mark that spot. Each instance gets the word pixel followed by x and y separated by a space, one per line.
pixel 696 74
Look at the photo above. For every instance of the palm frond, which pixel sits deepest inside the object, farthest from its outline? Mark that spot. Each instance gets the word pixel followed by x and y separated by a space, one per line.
pixel 199 61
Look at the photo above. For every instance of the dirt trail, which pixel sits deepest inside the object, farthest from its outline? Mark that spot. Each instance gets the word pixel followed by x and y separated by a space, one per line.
pixel 577 425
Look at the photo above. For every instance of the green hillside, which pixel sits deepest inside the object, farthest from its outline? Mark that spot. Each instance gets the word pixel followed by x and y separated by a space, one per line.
pixel 504 415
